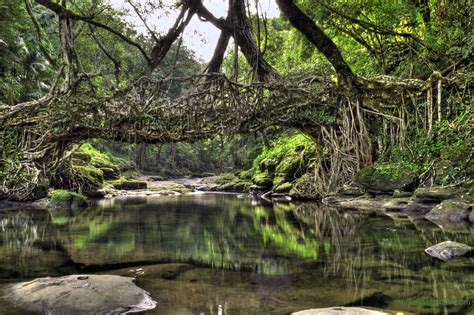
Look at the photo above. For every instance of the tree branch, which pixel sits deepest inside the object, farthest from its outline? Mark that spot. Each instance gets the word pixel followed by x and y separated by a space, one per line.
pixel 63 12
pixel 319 39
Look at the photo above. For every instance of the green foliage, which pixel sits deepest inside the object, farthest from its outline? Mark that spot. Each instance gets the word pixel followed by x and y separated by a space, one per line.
pixel 394 171
pixel 61 197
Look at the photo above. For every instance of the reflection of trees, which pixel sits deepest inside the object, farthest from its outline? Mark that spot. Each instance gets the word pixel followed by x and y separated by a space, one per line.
pixel 23 234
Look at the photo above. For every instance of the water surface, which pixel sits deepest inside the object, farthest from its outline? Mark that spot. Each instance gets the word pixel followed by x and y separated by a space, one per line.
pixel 247 257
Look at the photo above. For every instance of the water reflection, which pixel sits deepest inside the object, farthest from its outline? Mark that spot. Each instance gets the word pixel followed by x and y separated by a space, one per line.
pixel 350 258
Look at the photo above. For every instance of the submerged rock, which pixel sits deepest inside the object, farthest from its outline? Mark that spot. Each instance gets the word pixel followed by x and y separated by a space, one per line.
pixel 449 250
pixel 81 294
pixel 340 310
pixel 450 211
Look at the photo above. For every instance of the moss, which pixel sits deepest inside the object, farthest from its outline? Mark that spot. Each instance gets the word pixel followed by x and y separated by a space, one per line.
pixel 247 175
pixel 304 187
pixel 471 191
pixel 284 188
pixel 387 177
pixel 262 179
pixel 125 184
pixel 278 179
pixel 66 198
pixel 180 188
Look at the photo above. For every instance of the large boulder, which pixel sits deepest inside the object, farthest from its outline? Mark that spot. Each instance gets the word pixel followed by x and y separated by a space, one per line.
pixel 129 184
pixel 60 198
pixel 81 294
pixel 449 250
pixel 435 194
pixel 340 310
pixel 110 173
pixel 386 178
pixel 454 210
pixel 263 179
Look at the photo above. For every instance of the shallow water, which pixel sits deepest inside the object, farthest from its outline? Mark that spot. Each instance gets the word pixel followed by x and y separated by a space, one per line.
pixel 247 257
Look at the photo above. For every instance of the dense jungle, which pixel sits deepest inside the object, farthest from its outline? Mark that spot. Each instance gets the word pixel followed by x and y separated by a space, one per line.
pixel 319 161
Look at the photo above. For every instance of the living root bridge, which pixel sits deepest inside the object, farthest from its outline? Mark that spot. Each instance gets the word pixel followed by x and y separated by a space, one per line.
pixel 37 134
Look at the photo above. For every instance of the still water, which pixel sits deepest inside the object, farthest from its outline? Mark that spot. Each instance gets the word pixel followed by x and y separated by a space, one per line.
pixel 244 256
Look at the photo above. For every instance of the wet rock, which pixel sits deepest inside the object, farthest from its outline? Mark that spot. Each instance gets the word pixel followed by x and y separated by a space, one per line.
pixel 263 179
pixel 284 188
pixel 340 310
pixel 129 185
pixel 208 174
pixel 163 271
pixel 401 194
pixel 435 194
pixel 110 173
pixel 386 178
pixel 453 210
pixel 406 205
pixel 64 199
pixel 157 178
pixel 81 294
pixel 351 191
pixel 449 250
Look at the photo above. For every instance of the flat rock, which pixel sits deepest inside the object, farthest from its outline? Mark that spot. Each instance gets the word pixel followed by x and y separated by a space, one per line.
pixel 407 205
pixel 340 310
pixel 449 250
pixel 450 211
pixel 81 294
pixel 436 194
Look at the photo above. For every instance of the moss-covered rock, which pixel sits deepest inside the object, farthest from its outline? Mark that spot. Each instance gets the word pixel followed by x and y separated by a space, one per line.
pixel 454 211
pixel 88 180
pixel 67 199
pixel 110 173
pixel 436 194
pixel 284 188
pixel 386 178
pixel 269 164
pixel 263 179
pixel 304 188
pixel 124 184
pixel 246 175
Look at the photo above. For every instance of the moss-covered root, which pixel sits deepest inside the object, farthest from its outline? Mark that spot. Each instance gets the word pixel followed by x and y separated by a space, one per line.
pixel 60 198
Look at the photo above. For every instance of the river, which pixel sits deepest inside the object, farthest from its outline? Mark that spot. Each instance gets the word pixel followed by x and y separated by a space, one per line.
pixel 245 256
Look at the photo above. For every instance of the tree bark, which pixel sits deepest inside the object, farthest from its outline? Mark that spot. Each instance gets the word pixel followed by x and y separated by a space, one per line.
pixel 319 39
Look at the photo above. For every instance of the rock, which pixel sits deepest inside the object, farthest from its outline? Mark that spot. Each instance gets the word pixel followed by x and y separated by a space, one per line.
pixel 386 178
pixel 304 188
pixel 351 191
pixel 81 294
pixel 168 193
pixel 401 194
pixel 449 250
pixel 284 188
pixel 129 184
pixel 208 174
pixel 405 205
pixel 268 164
pixel 435 194
pixel 157 178
pixel 263 179
pixel 110 173
pixel 61 198
pixel 453 210
pixel 340 310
